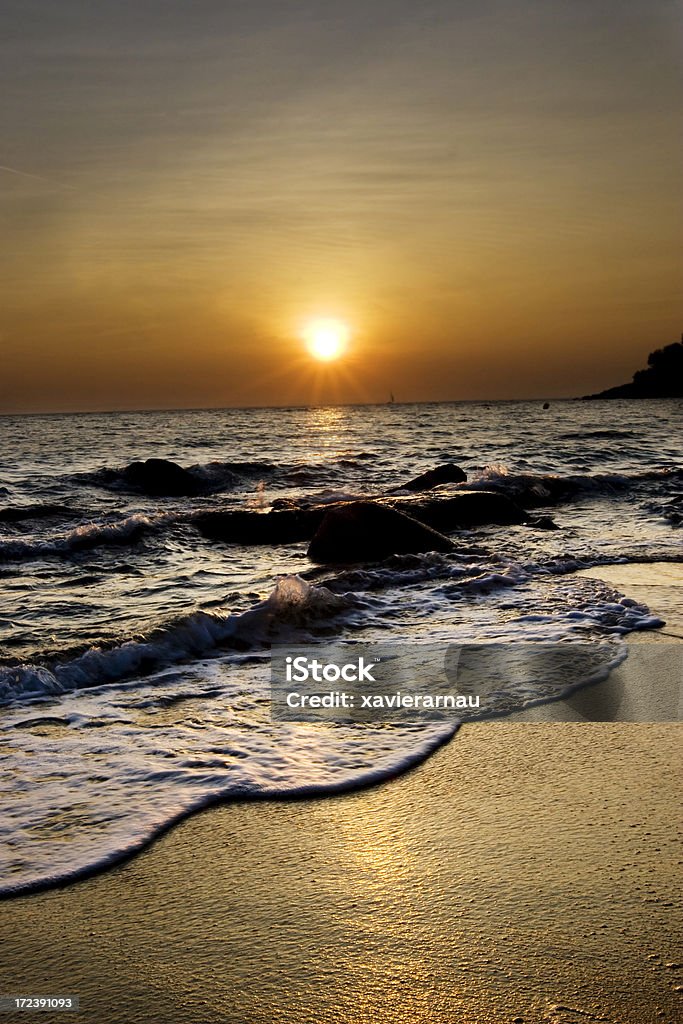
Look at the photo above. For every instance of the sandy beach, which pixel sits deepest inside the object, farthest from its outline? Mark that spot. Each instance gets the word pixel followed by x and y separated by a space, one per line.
pixel 526 872
pixel 341 497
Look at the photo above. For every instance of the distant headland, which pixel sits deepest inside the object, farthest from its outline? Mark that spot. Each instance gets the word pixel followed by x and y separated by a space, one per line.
pixel 663 377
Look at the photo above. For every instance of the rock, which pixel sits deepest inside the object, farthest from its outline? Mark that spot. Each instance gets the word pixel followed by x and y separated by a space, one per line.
pixel 289 524
pixel 161 478
pixel 546 405
pixel 662 378
pixel 542 523
pixel 278 527
pixel 446 474
pixel 361 531
pixel 461 510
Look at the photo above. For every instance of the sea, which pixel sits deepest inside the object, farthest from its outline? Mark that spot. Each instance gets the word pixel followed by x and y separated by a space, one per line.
pixel 135 651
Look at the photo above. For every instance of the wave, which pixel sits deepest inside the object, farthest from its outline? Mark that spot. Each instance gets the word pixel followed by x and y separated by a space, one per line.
pixel 190 728
pixel 88 535
pixel 147 796
pixel 292 606
pixel 200 733
pixel 590 606
pixel 21 513
pixel 536 489
pixel 409 570
pixel 161 478
pixel 164 479
pixel 527 489
pixel 297 604
pixel 671 511
pixel 219 476
pixel 597 435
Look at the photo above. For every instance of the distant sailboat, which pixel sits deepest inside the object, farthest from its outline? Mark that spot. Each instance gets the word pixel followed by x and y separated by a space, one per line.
pixel 391 398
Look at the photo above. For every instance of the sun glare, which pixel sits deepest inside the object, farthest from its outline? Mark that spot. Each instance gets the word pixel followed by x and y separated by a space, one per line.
pixel 326 339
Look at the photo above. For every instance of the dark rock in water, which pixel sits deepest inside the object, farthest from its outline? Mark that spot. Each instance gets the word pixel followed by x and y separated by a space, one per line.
pixel 281 527
pixel 361 531
pixel 447 474
pixel 289 525
pixel 542 523
pixel 531 490
pixel 546 405
pixel 161 478
pixel 289 504
pixel 461 510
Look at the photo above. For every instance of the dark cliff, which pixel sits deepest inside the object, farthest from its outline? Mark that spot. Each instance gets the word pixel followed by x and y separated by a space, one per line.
pixel 662 378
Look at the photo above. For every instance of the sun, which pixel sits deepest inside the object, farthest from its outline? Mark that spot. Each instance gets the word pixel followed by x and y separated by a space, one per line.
pixel 326 340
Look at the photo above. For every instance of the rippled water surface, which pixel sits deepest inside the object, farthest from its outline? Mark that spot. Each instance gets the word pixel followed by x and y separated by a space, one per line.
pixel 127 696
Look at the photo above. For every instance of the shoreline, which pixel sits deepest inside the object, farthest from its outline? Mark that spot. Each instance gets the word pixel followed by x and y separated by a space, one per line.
pixel 522 871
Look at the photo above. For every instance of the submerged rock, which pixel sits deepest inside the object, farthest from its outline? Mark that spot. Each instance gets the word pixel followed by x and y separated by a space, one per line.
pixel 277 527
pixel 361 531
pixel 462 510
pixel 161 478
pixel 542 523
pixel 446 474
pixel 289 524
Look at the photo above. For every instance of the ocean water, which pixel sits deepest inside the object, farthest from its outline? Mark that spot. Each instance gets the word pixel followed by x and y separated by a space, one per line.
pixel 134 668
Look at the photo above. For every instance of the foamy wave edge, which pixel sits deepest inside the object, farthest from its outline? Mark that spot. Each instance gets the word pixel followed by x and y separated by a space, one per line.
pixel 372 777
pixel 87 535
pixel 292 604
pixel 555 488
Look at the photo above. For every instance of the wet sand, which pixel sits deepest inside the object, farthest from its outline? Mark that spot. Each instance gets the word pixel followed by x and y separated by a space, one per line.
pixel 526 871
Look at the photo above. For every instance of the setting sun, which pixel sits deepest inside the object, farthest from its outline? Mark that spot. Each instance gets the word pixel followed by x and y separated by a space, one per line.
pixel 326 339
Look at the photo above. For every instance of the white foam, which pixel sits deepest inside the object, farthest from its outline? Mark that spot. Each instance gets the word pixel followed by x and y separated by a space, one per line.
pixel 96 775
pixel 550 485
pixel 116 768
pixel 87 535
pixel 292 606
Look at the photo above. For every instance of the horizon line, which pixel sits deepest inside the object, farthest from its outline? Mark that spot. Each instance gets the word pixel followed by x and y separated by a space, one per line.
pixel 312 405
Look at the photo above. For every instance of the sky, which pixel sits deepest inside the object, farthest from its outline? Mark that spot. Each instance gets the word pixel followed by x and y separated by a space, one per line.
pixel 487 193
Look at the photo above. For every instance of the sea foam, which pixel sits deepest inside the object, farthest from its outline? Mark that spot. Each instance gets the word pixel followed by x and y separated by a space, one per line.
pixel 292 607
pixel 108 770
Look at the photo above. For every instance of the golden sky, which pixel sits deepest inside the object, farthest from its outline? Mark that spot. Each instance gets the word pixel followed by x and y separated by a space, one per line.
pixel 486 192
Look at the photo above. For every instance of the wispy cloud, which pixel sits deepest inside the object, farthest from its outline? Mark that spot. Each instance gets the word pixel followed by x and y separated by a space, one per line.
pixel 38 177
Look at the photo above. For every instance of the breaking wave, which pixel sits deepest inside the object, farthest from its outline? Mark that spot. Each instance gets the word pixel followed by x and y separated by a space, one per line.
pixel 293 605
pixel 213 477
pixel 88 535
pixel 536 489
